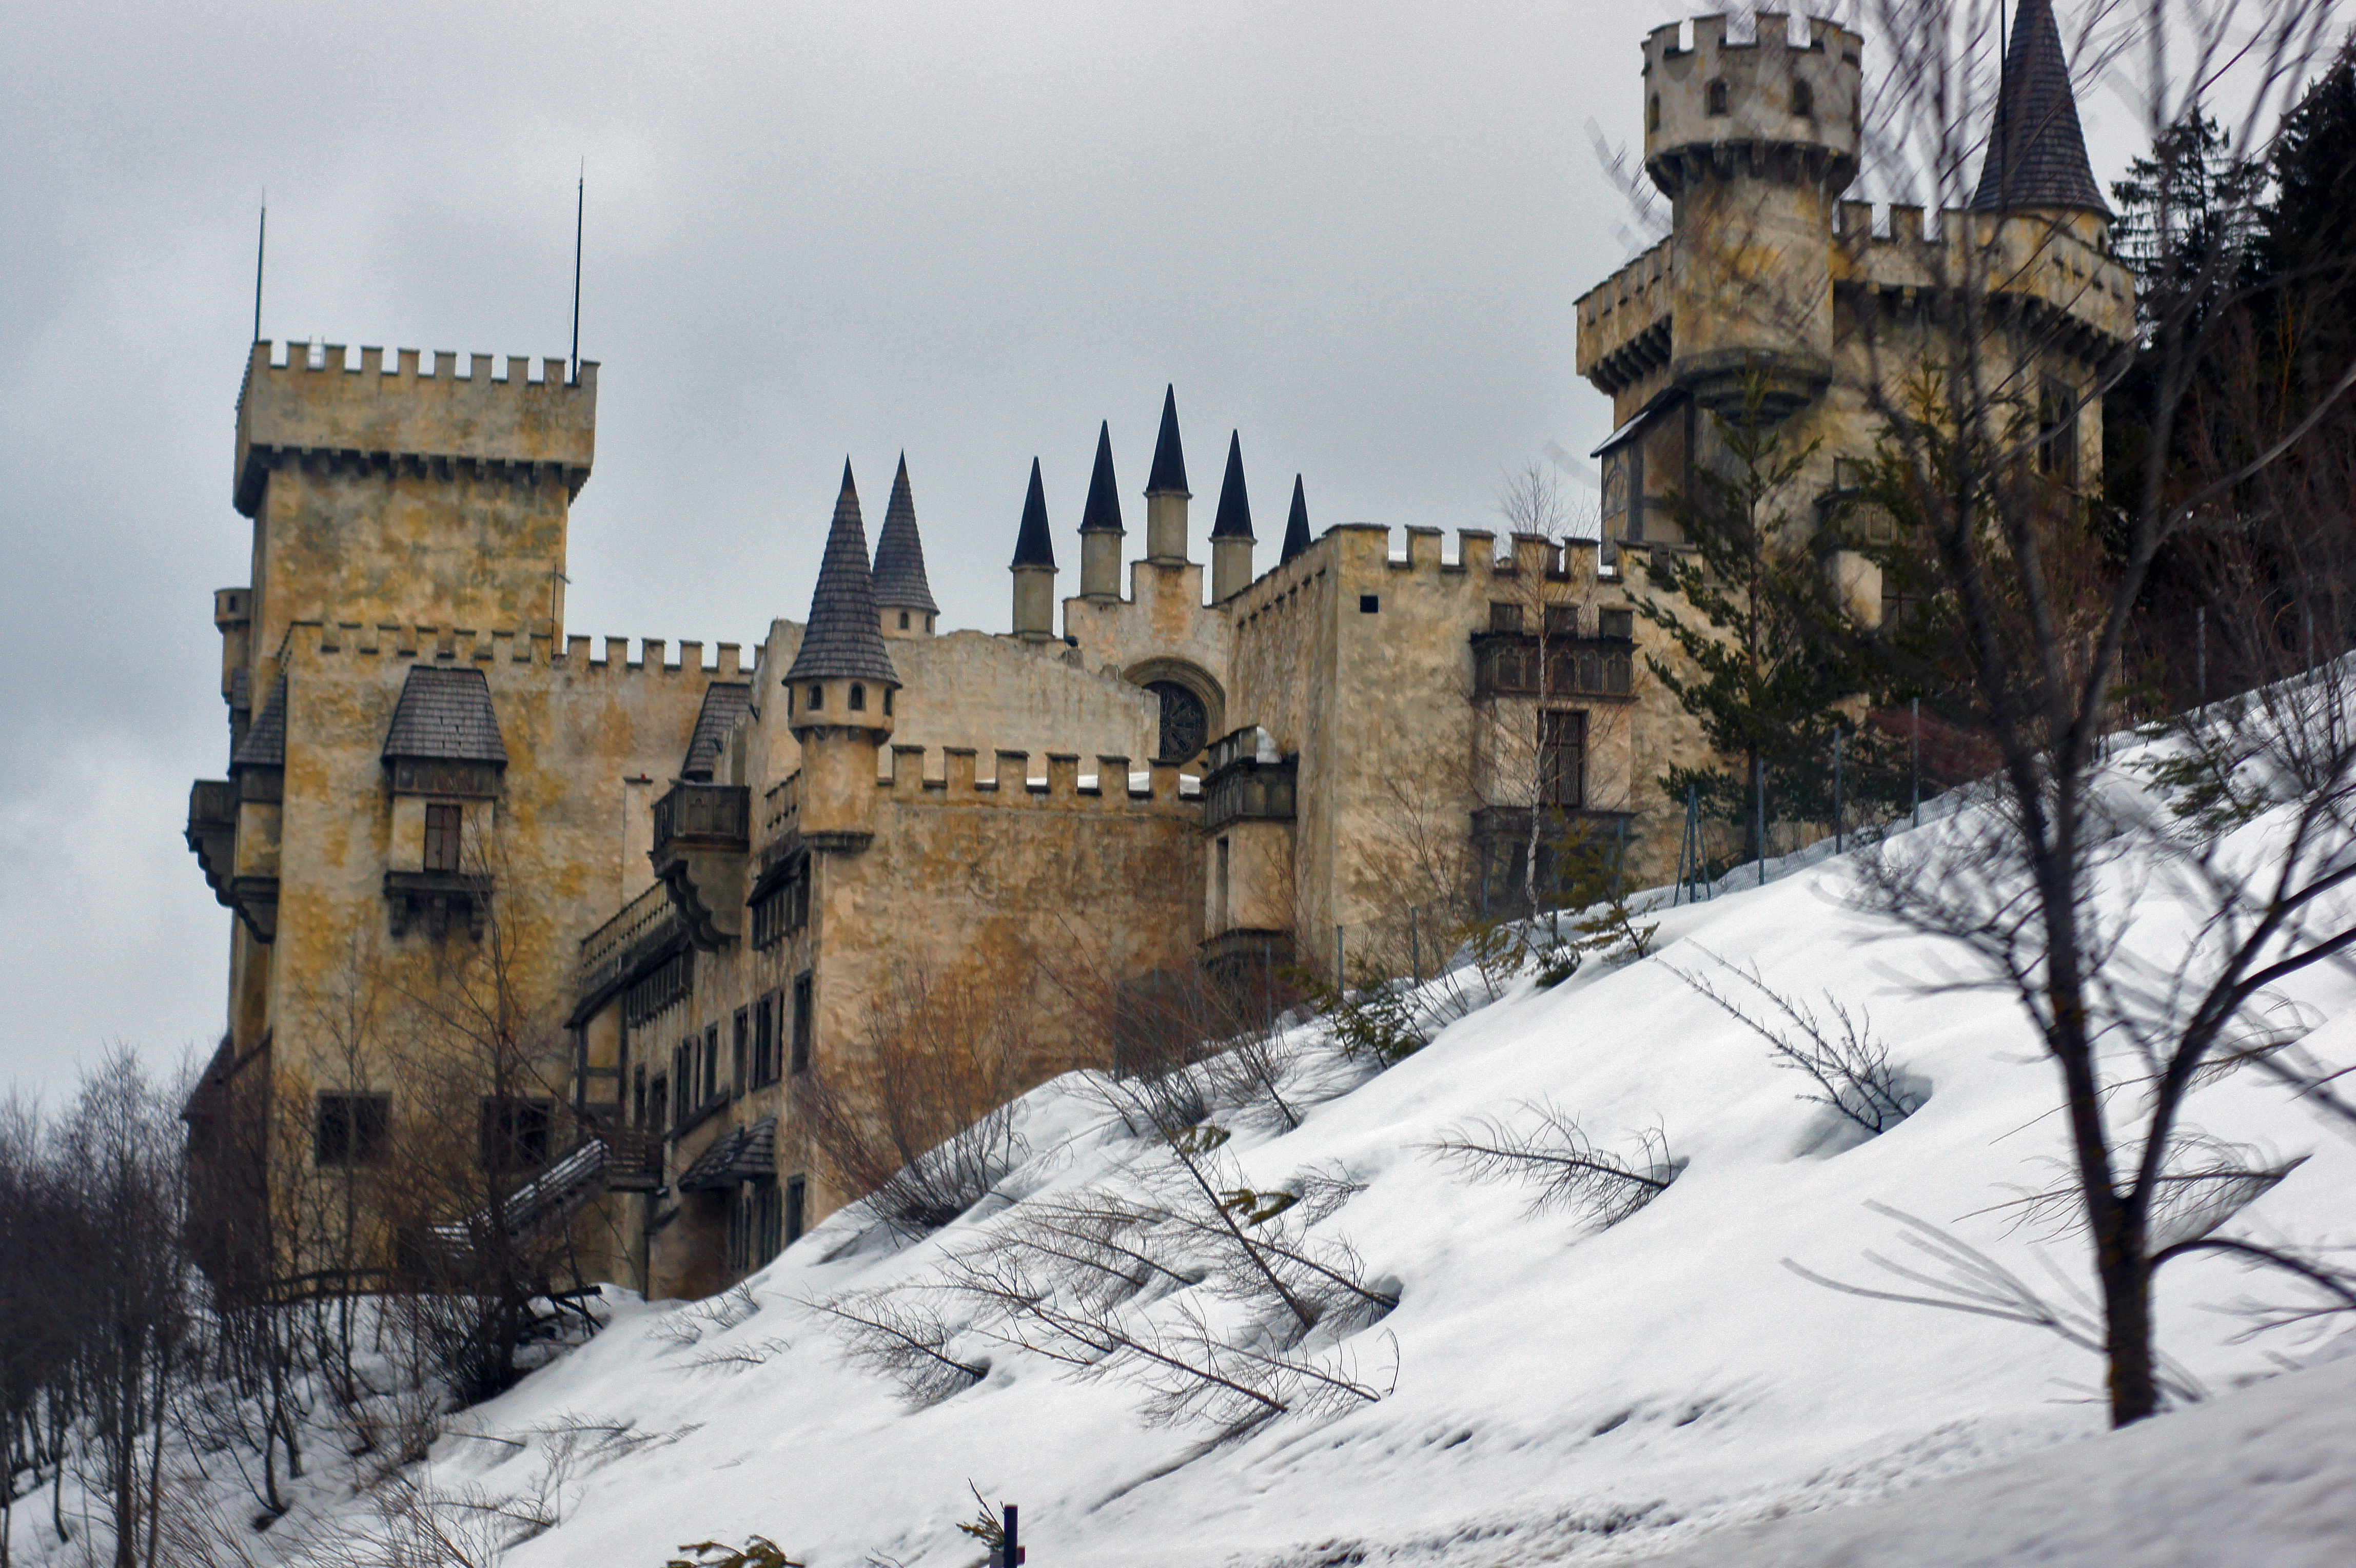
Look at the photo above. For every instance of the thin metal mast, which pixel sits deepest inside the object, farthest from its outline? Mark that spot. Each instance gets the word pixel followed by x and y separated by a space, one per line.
pixel 579 211
pixel 261 240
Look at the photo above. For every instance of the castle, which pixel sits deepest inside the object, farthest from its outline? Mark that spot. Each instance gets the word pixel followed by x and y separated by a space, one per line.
pixel 695 878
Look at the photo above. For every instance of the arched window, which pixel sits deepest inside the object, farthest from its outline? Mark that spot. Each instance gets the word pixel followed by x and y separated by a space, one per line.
pixel 1653 113
pixel 887 701
pixel 904 620
pixel 1804 98
pixel 816 697
pixel 1715 95
pixel 1185 722
pixel 858 698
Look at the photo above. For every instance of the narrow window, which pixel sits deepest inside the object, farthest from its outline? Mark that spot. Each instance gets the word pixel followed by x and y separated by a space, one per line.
pixel 887 701
pixel 1804 98
pixel 350 1129
pixel 1653 113
pixel 802 1023
pixel 817 698
pixel 638 1096
pixel 1716 93
pixel 769 1219
pixel 1562 620
pixel 764 1039
pixel 712 1063
pixel 1562 759
pixel 1504 618
pixel 443 826
pixel 1224 920
pixel 858 698
pixel 658 1102
pixel 682 1081
pixel 796 1201
pixel 904 620
pixel 741 1061
pixel 1621 624
pixel 1370 604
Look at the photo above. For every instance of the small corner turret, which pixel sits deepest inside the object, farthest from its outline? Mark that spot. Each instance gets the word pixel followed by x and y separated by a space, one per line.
pixel 1100 526
pixel 2036 151
pixel 904 594
pixel 1034 568
pixel 1166 494
pixel 1231 529
pixel 839 693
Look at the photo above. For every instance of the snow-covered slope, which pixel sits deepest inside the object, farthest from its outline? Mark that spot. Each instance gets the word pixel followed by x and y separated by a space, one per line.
pixel 1556 1392
pixel 1560 1394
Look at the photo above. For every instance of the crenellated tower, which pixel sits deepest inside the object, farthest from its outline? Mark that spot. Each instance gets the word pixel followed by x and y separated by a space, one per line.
pixel 1752 143
pixel 840 690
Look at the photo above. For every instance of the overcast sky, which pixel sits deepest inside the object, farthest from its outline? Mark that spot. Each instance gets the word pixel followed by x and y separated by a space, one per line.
pixel 1354 232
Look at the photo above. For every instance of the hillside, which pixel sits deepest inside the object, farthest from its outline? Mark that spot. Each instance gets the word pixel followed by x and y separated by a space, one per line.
pixel 1552 1390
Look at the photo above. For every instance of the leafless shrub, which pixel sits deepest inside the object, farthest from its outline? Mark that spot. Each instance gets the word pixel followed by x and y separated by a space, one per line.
pixel 901 1338
pixel 757 1354
pixel 1851 1069
pixel 1564 1168
pixel 690 1324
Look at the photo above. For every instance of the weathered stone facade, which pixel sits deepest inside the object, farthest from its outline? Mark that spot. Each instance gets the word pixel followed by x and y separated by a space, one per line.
pixel 698 880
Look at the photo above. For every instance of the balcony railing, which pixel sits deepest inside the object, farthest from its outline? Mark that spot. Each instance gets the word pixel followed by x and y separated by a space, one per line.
pixel 1506 664
pixel 781 806
pixel 716 816
pixel 606 952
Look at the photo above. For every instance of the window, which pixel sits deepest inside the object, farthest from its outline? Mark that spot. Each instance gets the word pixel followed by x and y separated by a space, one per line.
pixel 1370 604
pixel 1621 624
pixel 1562 620
pixel 1562 758
pixel 683 1082
pixel 658 1102
pixel 2057 433
pixel 740 1063
pixel 1804 98
pixel 639 1095
pixel 887 701
pixel 1653 113
pixel 769 1217
pixel 350 1130
pixel 764 1039
pixel 442 825
pixel 817 698
pixel 712 1064
pixel 516 1133
pixel 904 620
pixel 754 1222
pixel 858 698
pixel 1504 618
pixel 796 1204
pixel 1221 911
pixel 1186 721
pixel 802 1023
pixel 1715 95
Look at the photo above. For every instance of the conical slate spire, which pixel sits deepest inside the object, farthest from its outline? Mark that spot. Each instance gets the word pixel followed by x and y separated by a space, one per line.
pixel 2036 153
pixel 1102 514
pixel 1295 526
pixel 1233 521
pixel 843 640
pixel 900 582
pixel 1032 545
pixel 1168 458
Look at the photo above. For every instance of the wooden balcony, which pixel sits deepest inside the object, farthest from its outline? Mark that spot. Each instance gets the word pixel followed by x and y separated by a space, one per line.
pixel 703 837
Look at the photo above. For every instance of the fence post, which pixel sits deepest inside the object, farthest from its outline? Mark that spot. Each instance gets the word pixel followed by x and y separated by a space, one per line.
pixel 1915 761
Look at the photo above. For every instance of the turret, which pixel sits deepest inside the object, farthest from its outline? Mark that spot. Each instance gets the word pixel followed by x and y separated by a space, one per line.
pixel 1752 143
pixel 904 597
pixel 1100 526
pixel 1035 568
pixel 839 694
pixel 1231 530
pixel 1296 525
pixel 2036 152
pixel 1165 491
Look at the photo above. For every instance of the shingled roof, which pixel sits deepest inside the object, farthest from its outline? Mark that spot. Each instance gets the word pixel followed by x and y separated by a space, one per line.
pixel 1032 544
pixel 1102 514
pixel 741 1155
pixel 264 744
pixel 1169 457
pixel 900 581
pixel 843 642
pixel 446 714
pixel 1295 526
pixel 1233 519
pixel 725 702
pixel 2036 152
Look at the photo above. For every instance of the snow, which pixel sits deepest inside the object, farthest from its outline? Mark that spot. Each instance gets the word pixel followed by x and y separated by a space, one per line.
pixel 1662 1390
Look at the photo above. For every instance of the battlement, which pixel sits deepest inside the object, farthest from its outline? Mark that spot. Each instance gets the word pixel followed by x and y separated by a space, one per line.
pixel 1623 321
pixel 412 408
pixel 2061 265
pixel 467 646
pixel 1360 558
pixel 1060 785
pixel 1705 98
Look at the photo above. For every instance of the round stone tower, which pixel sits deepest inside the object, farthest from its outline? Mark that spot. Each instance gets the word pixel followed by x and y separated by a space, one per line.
pixel 839 694
pixel 1752 143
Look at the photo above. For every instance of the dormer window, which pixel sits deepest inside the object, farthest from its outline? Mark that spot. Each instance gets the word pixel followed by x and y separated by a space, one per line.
pixel 858 698
pixel 1715 96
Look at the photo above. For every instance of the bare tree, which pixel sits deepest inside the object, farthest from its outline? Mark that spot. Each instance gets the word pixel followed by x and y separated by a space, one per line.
pixel 1560 1165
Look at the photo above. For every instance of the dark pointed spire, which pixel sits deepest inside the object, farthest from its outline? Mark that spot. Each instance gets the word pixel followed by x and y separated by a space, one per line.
pixel 1102 514
pixel 1032 545
pixel 1168 458
pixel 1295 526
pixel 843 640
pixel 900 580
pixel 1233 521
pixel 2036 152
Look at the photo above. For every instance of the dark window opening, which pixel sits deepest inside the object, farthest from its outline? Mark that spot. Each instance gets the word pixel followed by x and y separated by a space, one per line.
pixel 1803 99
pixel 741 1062
pixel 802 1023
pixel 1370 604
pixel 797 1206
pixel 1620 623
pixel 764 1039
pixel 904 620
pixel 1562 620
pixel 350 1130
pixel 1562 759
pixel 444 826
pixel 638 1096
pixel 712 1064
pixel 516 1133
pixel 1504 618
pixel 1186 721
pixel 817 698
pixel 1716 94
pixel 887 701
pixel 2057 438
pixel 858 698
pixel 1653 113
pixel 682 1081
pixel 658 1102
